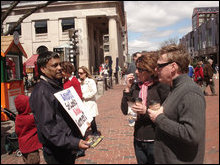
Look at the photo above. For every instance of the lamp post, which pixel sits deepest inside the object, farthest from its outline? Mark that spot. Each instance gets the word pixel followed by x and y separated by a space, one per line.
pixel 74 50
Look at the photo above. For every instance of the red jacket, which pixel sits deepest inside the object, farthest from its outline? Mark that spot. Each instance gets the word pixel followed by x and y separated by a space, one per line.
pixel 75 83
pixel 25 127
pixel 198 73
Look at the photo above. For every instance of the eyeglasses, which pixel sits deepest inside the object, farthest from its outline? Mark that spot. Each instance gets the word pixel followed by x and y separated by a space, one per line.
pixel 140 70
pixel 80 72
pixel 164 64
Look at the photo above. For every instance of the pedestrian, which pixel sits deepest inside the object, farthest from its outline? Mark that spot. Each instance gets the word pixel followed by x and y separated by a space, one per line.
pixel 69 79
pixel 217 71
pixel 26 130
pixel 191 71
pixel 148 89
pixel 209 78
pixel 199 76
pixel 58 133
pixel 132 66
pixel 180 121
pixel 108 72
pixel 89 90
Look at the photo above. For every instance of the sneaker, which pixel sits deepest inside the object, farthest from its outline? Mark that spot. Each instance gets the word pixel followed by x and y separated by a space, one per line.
pixel 131 124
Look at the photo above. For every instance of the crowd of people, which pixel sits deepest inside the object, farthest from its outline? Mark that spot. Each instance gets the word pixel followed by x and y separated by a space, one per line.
pixel 204 74
pixel 160 88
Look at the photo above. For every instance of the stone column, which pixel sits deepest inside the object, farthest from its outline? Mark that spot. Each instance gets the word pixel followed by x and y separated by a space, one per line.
pixel 81 25
pixel 91 46
pixel 113 41
pixel 27 38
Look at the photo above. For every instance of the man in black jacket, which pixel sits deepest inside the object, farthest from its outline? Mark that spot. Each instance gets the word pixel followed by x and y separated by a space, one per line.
pixel 59 135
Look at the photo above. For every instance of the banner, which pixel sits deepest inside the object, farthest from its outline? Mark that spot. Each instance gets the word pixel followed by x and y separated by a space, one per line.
pixel 74 106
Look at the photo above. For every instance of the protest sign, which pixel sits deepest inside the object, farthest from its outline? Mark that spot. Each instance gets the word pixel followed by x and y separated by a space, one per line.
pixel 74 106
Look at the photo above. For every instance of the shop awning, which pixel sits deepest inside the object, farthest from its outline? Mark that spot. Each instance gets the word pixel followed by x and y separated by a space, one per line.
pixel 30 62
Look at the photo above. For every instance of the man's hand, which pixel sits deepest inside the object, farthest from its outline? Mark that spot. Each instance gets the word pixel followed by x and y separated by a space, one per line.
pixel 83 144
pixel 154 113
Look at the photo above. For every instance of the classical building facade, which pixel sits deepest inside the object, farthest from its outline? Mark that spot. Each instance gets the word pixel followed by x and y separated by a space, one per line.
pixel 94 20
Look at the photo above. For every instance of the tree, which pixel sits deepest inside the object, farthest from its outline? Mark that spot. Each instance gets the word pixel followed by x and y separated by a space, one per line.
pixel 9 10
pixel 170 41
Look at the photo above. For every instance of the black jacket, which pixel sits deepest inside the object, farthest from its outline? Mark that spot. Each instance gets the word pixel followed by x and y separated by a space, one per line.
pixel 57 132
pixel 144 128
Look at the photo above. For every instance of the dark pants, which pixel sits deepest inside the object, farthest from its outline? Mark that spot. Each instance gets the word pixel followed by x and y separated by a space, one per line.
pixel 94 126
pixel 67 158
pixel 144 152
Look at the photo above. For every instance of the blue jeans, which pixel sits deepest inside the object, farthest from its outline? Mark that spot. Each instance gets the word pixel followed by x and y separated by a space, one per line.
pixel 144 152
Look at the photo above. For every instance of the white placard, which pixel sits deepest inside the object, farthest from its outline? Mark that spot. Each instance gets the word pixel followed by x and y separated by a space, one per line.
pixel 74 106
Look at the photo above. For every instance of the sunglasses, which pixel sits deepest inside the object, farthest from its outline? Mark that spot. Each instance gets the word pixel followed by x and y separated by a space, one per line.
pixel 80 73
pixel 164 64
pixel 140 70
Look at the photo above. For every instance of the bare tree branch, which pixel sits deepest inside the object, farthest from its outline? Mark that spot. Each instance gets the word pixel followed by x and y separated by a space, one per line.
pixel 12 6
pixel 26 15
pixel 169 41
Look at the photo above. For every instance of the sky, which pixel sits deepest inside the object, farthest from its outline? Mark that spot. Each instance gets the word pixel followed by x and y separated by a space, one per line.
pixel 150 23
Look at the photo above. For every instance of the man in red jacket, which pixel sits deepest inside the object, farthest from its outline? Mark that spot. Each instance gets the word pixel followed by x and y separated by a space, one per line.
pixel 26 131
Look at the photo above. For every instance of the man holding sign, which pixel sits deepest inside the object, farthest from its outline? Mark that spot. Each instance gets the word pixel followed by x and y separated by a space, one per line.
pixel 59 135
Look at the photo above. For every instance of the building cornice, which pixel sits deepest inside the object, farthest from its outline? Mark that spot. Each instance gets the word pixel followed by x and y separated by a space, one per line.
pixel 75 4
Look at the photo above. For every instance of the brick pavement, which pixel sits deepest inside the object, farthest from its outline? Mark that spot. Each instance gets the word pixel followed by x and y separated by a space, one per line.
pixel 212 127
pixel 117 145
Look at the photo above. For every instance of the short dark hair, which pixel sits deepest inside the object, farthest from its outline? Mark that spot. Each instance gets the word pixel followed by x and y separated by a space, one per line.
pixel 42 49
pixel 43 59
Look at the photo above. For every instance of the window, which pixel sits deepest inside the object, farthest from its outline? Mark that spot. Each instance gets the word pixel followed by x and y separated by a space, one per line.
pixel 194 21
pixel 106 39
pixel 201 20
pixel 67 24
pixel 40 27
pixel 209 37
pixel 106 48
pixel 18 28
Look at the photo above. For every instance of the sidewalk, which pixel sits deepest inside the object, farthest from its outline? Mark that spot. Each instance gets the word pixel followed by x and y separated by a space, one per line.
pixel 212 127
pixel 117 145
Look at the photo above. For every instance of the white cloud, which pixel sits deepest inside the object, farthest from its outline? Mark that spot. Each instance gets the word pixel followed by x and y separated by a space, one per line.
pixel 141 45
pixel 150 17
pixel 185 30
pixel 144 15
pixel 156 34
